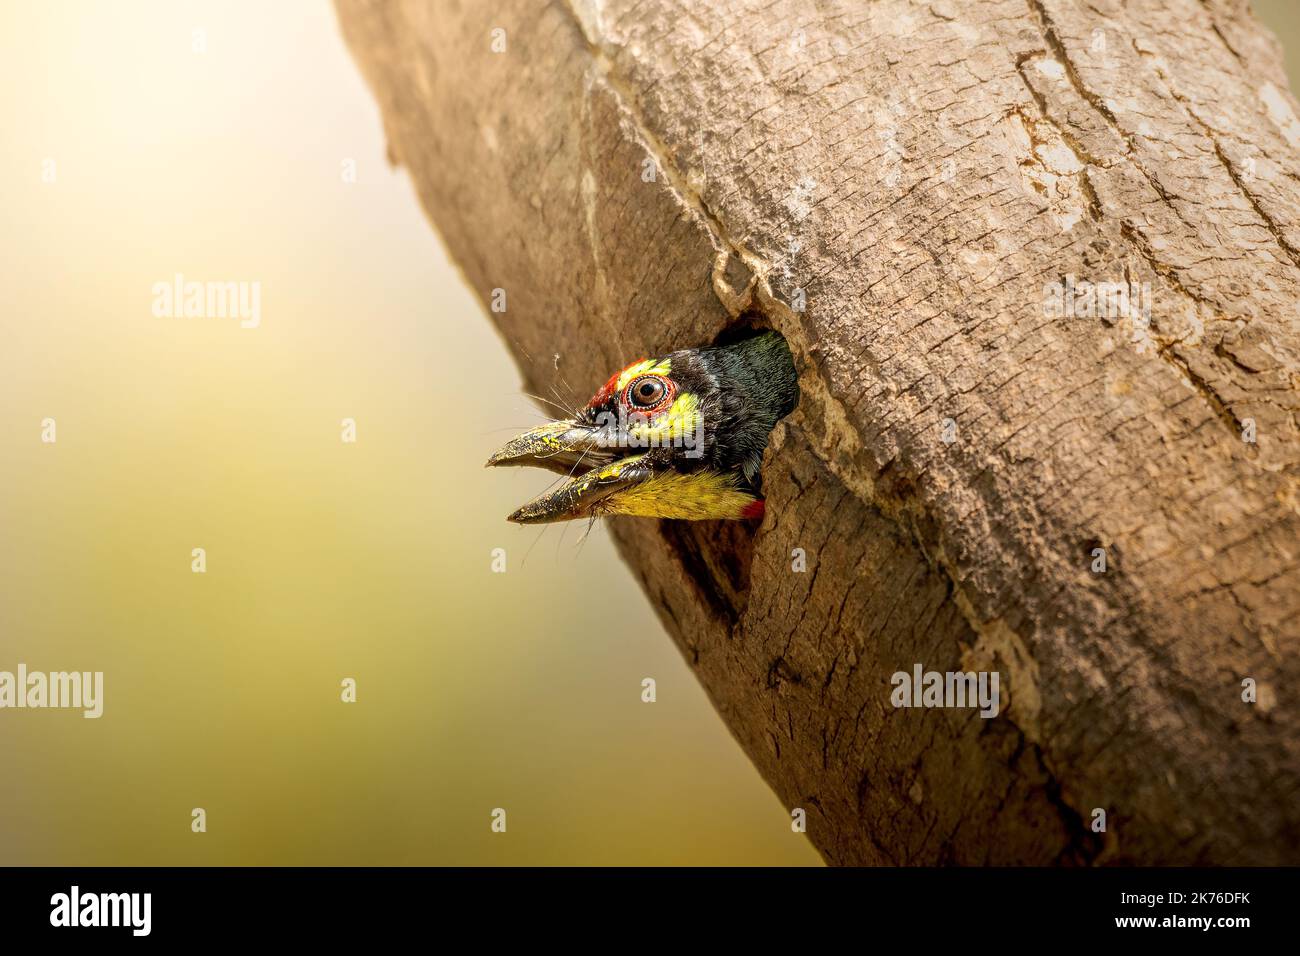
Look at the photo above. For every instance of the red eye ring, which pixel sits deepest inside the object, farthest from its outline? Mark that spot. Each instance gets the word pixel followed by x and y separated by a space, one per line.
pixel 649 394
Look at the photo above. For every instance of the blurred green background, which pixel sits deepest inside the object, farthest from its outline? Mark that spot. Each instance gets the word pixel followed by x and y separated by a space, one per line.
pixel 211 139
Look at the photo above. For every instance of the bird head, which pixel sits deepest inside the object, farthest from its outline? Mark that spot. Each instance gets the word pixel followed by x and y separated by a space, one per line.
pixel 679 436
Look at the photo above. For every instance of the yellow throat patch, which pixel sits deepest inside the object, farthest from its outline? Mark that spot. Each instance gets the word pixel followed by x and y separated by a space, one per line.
pixel 697 496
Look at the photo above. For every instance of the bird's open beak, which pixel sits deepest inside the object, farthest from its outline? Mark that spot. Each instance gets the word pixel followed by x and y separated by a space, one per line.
pixel 577 451
pixel 602 477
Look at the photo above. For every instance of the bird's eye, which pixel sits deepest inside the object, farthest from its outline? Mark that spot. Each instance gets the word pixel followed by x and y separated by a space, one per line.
pixel 647 392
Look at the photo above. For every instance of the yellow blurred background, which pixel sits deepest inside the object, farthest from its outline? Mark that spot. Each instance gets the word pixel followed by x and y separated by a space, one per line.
pixel 215 139
pixel 220 154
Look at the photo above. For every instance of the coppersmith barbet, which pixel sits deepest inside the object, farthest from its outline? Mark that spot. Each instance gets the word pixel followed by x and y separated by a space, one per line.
pixel 681 436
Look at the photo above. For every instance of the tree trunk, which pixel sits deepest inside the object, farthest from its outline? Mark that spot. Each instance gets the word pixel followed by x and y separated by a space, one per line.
pixel 912 192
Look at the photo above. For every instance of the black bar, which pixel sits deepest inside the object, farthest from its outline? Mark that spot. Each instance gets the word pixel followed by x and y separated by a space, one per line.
pixel 259 904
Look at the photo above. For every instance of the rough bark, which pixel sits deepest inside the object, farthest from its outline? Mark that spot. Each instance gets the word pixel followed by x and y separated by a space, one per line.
pixel 921 170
